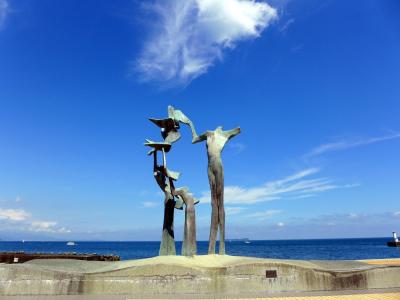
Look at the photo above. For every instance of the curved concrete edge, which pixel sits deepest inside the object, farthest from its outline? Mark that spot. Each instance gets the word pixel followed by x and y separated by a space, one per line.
pixel 203 275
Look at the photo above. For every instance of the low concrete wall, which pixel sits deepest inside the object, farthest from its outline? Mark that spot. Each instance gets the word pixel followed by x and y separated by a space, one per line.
pixel 155 278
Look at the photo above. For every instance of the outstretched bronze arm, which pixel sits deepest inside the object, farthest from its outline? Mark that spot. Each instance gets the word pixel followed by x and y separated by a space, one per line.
pixel 231 133
pixel 199 138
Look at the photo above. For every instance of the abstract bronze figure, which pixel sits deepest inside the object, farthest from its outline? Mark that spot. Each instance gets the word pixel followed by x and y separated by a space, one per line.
pixel 164 179
pixel 180 117
pixel 173 198
pixel 216 141
pixel 189 247
pixel 169 127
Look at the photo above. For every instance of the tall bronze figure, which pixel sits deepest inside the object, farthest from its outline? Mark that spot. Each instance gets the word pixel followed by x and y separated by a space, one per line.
pixel 216 141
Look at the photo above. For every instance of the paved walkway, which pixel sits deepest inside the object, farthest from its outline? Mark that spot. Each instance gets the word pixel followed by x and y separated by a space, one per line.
pixel 331 296
pixel 391 262
pixel 383 296
pixel 341 296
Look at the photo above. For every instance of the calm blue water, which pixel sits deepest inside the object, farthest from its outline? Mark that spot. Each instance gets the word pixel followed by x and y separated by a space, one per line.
pixel 288 249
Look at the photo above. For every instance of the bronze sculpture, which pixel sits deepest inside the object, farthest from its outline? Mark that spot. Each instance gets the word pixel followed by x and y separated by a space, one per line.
pixel 176 198
pixel 216 141
pixel 173 198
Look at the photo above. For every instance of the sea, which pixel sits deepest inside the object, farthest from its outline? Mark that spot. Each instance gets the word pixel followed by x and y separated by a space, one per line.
pixel 317 249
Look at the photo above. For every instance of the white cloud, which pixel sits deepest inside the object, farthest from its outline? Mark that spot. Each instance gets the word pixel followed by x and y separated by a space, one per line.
pixel 63 230
pixel 347 144
pixel 47 226
pixel 13 214
pixel 286 25
pixel 304 196
pixel 238 147
pixel 293 186
pixel 43 225
pixel 353 216
pixel 4 8
pixel 262 215
pixel 234 210
pixel 149 203
pixel 190 35
pixel 372 224
pixel 19 219
pixel 397 214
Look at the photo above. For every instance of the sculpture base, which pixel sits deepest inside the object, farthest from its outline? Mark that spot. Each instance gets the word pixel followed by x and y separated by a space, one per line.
pixel 204 275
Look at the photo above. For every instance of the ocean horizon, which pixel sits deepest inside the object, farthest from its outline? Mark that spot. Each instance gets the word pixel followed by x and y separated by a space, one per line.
pixel 306 249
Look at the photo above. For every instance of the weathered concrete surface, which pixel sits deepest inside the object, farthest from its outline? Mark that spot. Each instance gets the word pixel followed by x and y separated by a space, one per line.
pixel 200 275
pixel 21 257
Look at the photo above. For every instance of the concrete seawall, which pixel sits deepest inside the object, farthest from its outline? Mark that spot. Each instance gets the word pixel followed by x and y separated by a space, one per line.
pixel 201 275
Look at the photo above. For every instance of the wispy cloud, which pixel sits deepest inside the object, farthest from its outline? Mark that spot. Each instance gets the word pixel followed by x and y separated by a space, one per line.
pixel 334 225
pixel 234 210
pixel 297 185
pixel 262 215
pixel 43 226
pixel 4 9
pixel 13 214
pixel 47 226
pixel 237 147
pixel 286 25
pixel 20 219
pixel 190 35
pixel 149 203
pixel 347 144
pixel 350 218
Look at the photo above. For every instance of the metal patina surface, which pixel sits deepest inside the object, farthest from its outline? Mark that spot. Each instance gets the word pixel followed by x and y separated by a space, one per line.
pixel 216 141
pixel 189 247
pixel 173 198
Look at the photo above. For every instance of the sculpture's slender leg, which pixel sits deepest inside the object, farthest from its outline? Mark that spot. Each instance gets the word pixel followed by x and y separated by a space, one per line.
pixel 190 248
pixel 221 210
pixel 213 228
pixel 214 213
pixel 167 246
pixel 185 236
pixel 189 238
pixel 221 230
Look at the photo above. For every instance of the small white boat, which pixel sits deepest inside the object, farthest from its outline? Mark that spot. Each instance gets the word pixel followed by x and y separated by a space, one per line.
pixel 71 244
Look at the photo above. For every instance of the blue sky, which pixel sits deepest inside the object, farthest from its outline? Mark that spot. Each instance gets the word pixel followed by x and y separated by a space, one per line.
pixel 314 86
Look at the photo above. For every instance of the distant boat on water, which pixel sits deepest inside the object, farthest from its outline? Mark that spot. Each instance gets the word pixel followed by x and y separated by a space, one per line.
pixel 71 244
pixel 244 240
